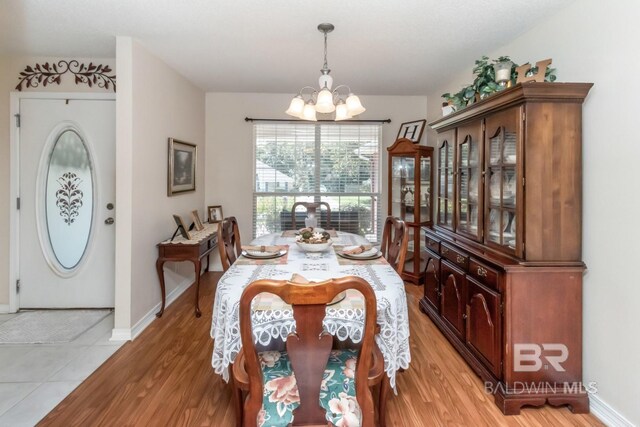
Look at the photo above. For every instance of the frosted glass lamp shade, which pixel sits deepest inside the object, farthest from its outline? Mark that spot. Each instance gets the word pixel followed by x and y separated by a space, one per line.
pixel 309 112
pixel 354 105
pixel 342 111
pixel 296 107
pixel 324 103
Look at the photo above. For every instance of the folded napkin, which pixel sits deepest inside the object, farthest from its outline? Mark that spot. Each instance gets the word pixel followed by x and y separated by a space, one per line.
pixel 271 249
pixel 297 278
pixel 357 250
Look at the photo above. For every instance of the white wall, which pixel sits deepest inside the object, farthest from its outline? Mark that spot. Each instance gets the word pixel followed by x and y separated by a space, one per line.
pixel 229 175
pixel 595 41
pixel 154 103
pixel 10 67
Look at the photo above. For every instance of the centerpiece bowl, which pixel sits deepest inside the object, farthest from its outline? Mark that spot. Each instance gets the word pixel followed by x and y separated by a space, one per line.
pixel 310 240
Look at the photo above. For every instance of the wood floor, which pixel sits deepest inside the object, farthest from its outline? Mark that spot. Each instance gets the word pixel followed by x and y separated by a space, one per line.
pixel 165 378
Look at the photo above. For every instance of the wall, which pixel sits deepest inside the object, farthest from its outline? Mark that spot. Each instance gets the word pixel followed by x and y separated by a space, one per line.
pixel 155 103
pixel 10 67
pixel 593 41
pixel 229 175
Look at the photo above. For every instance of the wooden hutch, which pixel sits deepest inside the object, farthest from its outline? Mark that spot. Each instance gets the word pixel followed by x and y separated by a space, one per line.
pixel 411 199
pixel 503 279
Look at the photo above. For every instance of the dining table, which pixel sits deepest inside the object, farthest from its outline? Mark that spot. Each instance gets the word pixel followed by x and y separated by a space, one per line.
pixel 272 319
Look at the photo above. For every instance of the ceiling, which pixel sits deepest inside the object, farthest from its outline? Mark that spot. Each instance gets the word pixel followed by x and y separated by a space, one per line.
pixel 379 47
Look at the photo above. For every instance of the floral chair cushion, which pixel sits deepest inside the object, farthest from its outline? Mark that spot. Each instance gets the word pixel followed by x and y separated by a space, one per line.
pixel 337 391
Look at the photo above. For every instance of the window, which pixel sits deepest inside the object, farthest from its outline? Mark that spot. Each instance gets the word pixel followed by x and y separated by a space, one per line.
pixel 334 163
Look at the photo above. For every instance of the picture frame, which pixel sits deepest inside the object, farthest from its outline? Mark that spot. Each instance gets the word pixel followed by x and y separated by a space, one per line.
pixel 412 130
pixel 181 174
pixel 196 221
pixel 214 214
pixel 184 230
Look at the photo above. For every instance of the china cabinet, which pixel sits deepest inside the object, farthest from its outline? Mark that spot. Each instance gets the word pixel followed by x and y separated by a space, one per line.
pixel 411 199
pixel 503 273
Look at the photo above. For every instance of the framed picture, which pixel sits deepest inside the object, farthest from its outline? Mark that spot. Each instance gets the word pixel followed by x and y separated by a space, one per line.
pixel 215 213
pixel 182 167
pixel 412 130
pixel 184 230
pixel 196 220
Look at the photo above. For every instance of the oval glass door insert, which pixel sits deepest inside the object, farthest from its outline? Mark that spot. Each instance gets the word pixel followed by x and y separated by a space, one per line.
pixel 69 200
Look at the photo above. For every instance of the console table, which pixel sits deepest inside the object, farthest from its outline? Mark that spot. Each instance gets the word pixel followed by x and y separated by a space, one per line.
pixel 181 249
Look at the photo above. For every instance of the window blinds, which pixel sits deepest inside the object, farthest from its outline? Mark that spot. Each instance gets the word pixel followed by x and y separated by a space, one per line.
pixel 335 163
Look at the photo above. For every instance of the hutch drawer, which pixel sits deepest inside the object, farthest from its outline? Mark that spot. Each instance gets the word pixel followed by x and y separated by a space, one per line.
pixel 454 255
pixel 484 274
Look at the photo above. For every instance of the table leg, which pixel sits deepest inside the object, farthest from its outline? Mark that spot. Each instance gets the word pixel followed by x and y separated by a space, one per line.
pixel 197 264
pixel 160 270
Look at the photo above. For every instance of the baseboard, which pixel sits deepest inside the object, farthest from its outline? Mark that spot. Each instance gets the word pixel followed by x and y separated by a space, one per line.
pixel 151 315
pixel 4 309
pixel 605 413
pixel 120 335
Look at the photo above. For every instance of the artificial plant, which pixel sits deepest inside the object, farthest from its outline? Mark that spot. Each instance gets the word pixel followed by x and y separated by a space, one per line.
pixel 485 82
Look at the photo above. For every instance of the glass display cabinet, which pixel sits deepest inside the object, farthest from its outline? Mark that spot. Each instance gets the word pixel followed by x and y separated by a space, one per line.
pixel 411 199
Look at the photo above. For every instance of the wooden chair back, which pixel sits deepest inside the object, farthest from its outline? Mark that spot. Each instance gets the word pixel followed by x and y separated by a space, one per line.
pixel 395 240
pixel 309 347
pixel 312 209
pixel 229 241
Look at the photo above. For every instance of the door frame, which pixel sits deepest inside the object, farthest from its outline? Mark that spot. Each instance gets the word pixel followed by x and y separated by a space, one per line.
pixel 14 176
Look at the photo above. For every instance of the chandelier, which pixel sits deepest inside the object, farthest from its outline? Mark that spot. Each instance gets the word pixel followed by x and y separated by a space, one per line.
pixel 345 105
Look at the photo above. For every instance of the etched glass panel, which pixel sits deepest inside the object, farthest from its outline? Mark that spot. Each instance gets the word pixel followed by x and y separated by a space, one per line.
pixel 69 199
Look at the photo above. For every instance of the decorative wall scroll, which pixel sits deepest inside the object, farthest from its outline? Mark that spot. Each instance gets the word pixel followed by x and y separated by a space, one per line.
pixel 539 76
pixel 49 74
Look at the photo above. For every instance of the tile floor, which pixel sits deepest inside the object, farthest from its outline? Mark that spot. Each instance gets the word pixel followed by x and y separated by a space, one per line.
pixel 34 378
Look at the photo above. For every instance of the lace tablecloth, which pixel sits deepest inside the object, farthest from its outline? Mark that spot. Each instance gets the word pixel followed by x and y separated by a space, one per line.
pixel 393 316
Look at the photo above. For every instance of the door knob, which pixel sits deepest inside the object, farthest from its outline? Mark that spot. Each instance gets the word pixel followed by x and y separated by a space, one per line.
pixel 108 221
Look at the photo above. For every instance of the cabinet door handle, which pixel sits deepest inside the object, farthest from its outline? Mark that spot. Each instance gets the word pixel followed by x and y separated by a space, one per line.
pixel 482 272
pixel 464 316
pixel 445 250
pixel 459 259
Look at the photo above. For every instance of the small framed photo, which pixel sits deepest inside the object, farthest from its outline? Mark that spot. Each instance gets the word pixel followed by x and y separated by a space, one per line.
pixel 184 230
pixel 196 221
pixel 182 167
pixel 412 130
pixel 215 213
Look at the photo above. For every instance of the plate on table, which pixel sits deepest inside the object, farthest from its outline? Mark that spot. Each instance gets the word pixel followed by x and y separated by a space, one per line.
pixel 372 253
pixel 263 255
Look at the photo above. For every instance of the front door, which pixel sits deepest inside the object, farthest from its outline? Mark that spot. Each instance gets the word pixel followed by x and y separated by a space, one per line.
pixel 67 191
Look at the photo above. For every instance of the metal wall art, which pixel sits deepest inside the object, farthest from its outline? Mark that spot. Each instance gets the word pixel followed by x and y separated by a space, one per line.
pixel 48 74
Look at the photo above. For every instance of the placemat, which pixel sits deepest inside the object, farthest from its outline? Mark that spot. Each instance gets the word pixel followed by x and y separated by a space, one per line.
pixel 345 261
pixel 270 261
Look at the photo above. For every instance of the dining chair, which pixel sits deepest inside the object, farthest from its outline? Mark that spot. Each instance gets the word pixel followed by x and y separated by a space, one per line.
pixel 308 383
pixel 395 240
pixel 229 241
pixel 312 209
